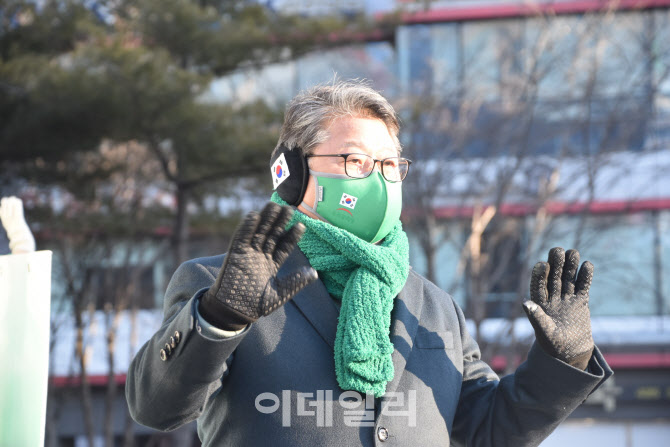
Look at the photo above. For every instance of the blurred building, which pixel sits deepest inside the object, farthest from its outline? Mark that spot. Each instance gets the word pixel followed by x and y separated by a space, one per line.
pixel 315 7
pixel 557 115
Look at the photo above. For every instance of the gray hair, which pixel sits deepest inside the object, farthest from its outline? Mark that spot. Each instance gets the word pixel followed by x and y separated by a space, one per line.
pixel 309 112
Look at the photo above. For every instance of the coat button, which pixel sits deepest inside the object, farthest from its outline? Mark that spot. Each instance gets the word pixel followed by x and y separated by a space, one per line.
pixel 168 349
pixel 382 434
pixel 177 337
pixel 173 343
pixel 163 355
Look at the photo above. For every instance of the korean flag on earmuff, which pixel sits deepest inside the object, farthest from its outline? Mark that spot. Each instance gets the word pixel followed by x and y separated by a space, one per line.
pixel 280 171
pixel 288 168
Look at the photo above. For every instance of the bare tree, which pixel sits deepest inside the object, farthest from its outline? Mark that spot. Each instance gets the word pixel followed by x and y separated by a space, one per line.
pixel 486 168
pixel 103 259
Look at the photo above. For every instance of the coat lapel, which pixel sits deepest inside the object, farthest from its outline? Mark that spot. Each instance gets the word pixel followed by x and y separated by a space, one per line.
pixel 405 319
pixel 314 302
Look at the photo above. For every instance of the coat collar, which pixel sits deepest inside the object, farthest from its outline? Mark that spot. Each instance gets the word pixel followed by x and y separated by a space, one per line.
pixel 318 307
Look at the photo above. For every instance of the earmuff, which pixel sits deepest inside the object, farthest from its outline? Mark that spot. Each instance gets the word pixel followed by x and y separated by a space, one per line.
pixel 289 174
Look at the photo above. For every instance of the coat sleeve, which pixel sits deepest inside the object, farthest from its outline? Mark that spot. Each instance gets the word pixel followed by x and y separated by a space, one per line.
pixel 167 393
pixel 523 408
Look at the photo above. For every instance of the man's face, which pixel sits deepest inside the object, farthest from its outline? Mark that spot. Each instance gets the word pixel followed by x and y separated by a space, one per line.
pixel 348 134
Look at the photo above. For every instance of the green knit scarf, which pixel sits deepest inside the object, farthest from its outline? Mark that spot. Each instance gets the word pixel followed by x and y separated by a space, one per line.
pixel 366 278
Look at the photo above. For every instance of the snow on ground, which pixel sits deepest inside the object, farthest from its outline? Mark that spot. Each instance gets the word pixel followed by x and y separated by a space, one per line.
pixel 651 330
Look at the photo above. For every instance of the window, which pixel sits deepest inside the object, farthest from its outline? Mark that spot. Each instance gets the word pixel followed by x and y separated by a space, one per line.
pixel 621 248
pixel 123 287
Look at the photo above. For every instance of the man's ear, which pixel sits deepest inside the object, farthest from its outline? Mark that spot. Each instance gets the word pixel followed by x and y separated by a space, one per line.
pixel 289 174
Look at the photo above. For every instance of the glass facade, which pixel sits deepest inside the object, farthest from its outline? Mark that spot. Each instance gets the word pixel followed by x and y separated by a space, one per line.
pixel 582 84
pixel 610 54
pixel 374 61
pixel 621 247
pixel 630 252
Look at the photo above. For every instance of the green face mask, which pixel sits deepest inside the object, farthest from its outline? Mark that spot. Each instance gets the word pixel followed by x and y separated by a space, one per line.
pixel 367 207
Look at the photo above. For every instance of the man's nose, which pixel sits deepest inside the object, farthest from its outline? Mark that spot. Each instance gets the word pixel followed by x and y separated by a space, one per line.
pixel 377 166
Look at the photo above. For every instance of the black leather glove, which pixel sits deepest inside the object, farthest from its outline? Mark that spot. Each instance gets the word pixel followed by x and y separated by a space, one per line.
pixel 247 286
pixel 559 307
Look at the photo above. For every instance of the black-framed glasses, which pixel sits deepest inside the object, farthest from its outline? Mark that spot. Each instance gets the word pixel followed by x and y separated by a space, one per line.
pixel 394 169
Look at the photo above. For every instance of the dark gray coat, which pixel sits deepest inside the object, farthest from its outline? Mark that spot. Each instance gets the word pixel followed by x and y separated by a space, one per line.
pixel 445 391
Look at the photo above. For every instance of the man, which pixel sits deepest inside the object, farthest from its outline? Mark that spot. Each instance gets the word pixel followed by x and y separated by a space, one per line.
pixel 260 348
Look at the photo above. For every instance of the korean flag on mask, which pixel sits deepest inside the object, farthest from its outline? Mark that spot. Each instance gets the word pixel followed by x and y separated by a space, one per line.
pixel 348 201
pixel 279 171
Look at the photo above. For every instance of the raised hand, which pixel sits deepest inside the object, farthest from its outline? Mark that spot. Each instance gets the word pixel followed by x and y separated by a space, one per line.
pixel 558 308
pixel 247 286
pixel 21 240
